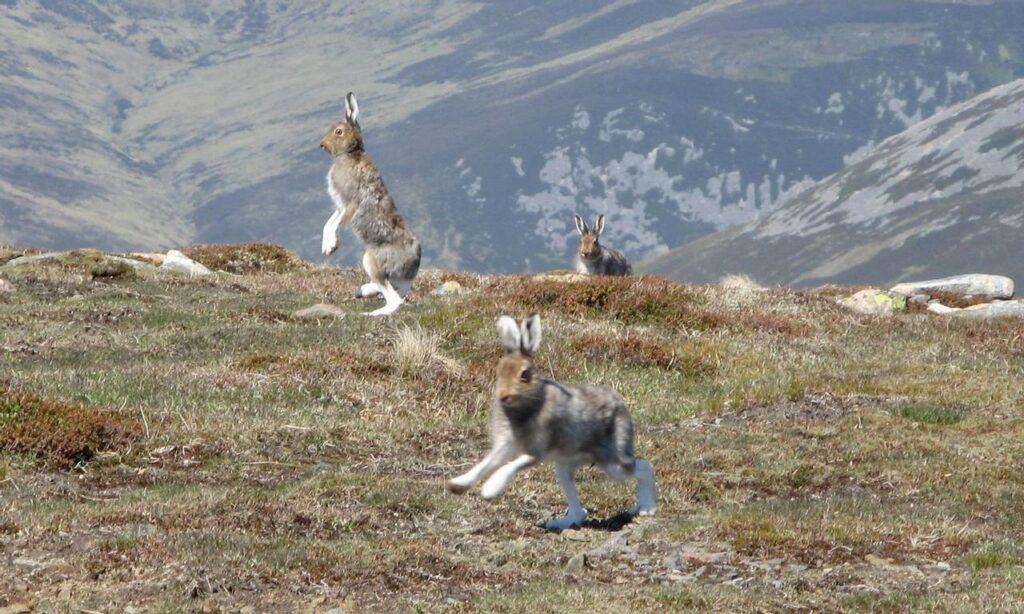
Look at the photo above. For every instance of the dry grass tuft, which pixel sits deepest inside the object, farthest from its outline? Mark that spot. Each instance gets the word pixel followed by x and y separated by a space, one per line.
pixel 418 353
pixel 247 258
pixel 58 433
pixel 739 283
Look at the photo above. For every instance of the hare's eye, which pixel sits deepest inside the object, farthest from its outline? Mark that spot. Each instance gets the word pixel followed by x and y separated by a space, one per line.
pixel 338 132
pixel 525 376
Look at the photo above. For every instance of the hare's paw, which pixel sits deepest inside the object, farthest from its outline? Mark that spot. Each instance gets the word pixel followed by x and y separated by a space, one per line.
pixel 458 486
pixel 568 521
pixel 641 509
pixel 329 244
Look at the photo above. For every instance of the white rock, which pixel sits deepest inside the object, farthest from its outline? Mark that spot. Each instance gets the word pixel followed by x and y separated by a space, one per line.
pixel 941 309
pixel 995 309
pixel 320 310
pixel 6 287
pixel 449 288
pixel 874 302
pixel 30 259
pixel 996 286
pixel 179 262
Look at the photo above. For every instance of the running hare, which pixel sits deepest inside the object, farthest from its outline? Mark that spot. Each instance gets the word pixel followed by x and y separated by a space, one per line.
pixel 392 256
pixel 595 259
pixel 535 419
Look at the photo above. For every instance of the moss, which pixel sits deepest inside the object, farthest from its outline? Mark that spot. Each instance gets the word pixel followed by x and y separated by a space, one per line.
pixel 927 414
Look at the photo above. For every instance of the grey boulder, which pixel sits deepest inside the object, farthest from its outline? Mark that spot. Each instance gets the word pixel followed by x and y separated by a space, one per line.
pixel 996 286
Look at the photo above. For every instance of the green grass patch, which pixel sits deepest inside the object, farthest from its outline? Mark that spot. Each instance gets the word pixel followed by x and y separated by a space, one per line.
pixel 929 414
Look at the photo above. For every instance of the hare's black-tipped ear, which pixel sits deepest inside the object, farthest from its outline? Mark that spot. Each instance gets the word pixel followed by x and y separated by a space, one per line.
pixel 599 226
pixel 530 329
pixel 508 330
pixel 581 226
pixel 351 108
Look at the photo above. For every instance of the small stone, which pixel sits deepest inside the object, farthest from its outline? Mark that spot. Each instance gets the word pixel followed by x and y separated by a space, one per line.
pixel 941 309
pixel 449 288
pixel 17 608
pixel 877 561
pixel 6 287
pixel 576 563
pixel 320 310
pixel 874 302
pixel 568 278
pixel 920 299
pixel 180 263
pixel 996 286
pixel 677 562
pixel 616 543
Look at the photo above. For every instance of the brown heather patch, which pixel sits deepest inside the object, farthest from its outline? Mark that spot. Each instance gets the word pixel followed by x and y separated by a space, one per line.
pixel 58 433
pixel 636 350
pixel 247 258
pixel 629 300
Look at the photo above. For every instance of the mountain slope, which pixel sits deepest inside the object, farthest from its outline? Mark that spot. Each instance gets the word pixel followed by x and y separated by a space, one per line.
pixel 143 124
pixel 944 197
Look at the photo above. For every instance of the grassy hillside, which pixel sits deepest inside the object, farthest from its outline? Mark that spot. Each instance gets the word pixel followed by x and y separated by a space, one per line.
pixel 217 453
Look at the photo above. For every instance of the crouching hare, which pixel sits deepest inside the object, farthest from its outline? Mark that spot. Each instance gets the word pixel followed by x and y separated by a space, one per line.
pixel 392 257
pixel 535 420
pixel 594 258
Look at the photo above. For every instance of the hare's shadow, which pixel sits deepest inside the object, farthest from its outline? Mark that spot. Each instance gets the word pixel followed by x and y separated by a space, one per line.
pixel 611 524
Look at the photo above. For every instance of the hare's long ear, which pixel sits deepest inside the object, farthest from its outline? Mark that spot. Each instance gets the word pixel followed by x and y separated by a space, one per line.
pixel 508 330
pixel 351 108
pixel 581 226
pixel 531 335
pixel 599 226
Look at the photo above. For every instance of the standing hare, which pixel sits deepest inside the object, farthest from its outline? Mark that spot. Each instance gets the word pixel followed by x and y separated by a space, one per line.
pixel 595 259
pixel 535 420
pixel 392 257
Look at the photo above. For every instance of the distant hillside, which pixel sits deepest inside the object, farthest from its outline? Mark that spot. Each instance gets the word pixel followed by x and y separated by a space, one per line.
pixel 944 197
pixel 141 124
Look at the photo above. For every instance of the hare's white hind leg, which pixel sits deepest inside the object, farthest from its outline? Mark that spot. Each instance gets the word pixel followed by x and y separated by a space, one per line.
pixel 392 301
pixel 647 499
pixel 329 243
pixel 576 514
pixel 497 457
pixel 368 289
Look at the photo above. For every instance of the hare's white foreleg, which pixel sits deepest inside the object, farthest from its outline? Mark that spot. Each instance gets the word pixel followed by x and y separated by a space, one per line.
pixel 576 514
pixel 330 239
pixel 497 483
pixel 497 457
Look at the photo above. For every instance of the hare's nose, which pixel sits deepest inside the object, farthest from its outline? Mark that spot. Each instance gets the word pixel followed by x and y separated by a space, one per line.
pixel 506 399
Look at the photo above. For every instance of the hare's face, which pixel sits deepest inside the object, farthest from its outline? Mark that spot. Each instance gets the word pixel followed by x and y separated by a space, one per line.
pixel 589 246
pixel 517 386
pixel 343 137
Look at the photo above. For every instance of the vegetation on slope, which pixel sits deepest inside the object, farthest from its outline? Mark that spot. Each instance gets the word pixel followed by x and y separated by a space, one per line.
pixel 806 457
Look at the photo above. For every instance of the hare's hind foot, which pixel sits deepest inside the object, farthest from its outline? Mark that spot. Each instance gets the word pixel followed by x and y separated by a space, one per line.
pixel 368 289
pixel 392 301
pixel 573 519
pixel 647 500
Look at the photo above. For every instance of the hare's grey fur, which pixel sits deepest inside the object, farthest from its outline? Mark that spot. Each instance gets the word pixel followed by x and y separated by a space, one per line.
pixel 534 420
pixel 392 257
pixel 592 258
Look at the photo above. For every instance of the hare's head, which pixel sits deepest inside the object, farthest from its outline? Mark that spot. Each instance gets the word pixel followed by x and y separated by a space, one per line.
pixel 517 386
pixel 590 246
pixel 345 136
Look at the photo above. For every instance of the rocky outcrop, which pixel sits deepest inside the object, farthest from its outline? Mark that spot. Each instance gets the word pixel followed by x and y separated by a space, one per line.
pixel 875 302
pixel 180 263
pixel 996 286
